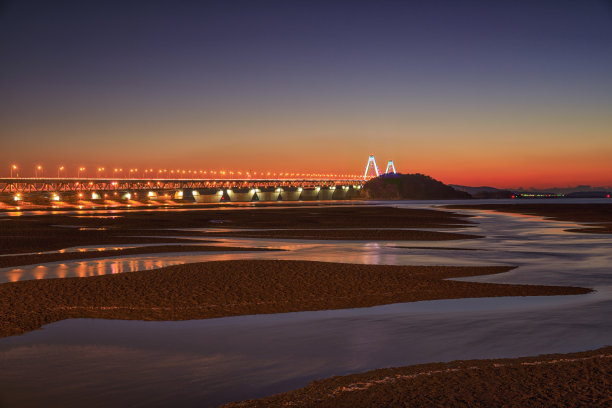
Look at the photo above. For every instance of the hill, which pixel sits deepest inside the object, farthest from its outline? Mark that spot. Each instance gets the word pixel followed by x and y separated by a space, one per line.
pixel 410 187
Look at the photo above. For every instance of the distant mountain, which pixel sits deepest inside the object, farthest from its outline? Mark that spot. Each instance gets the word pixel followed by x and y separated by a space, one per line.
pixel 492 192
pixel 577 189
pixel 485 192
pixel 589 194
pixel 410 187
pixel 474 190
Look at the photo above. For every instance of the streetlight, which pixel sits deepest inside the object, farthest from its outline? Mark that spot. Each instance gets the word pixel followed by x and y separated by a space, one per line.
pixel 59 169
pixel 100 170
pixel 37 169
pixel 79 172
pixel 14 167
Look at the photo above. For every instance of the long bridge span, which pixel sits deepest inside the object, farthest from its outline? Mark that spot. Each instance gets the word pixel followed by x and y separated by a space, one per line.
pixel 38 190
pixel 45 190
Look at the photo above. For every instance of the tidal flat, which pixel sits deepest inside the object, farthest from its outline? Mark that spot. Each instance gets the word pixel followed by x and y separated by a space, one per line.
pixel 248 302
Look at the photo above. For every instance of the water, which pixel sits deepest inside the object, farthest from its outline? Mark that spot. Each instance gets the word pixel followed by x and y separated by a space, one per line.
pixel 207 362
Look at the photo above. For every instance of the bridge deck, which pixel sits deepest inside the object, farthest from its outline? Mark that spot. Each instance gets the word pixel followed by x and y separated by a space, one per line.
pixel 33 184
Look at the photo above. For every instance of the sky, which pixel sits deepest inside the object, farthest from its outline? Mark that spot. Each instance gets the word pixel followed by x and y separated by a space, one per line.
pixel 509 93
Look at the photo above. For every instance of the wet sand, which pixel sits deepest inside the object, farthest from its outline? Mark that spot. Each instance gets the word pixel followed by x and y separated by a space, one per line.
pixel 27 236
pixel 231 288
pixel 352 235
pixel 20 260
pixel 38 233
pixel 554 380
pixel 598 215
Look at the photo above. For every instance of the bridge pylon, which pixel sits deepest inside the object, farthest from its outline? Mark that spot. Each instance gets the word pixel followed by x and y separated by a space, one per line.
pixel 371 167
pixel 390 167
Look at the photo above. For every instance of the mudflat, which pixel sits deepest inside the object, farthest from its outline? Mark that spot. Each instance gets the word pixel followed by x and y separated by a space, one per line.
pixel 348 234
pixel 598 216
pixel 46 232
pixel 230 288
pixel 554 380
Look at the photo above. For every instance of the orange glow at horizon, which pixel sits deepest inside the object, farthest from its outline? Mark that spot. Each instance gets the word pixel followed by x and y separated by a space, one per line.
pixel 544 154
pixel 502 172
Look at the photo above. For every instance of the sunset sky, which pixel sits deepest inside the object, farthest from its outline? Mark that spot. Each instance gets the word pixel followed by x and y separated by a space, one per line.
pixel 503 93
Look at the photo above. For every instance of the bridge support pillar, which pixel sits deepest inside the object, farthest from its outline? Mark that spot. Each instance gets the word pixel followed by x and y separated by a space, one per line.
pixel 209 195
pixel 340 193
pixel 310 193
pixel 290 193
pixel 268 193
pixel 326 193
pixel 244 194
pixel 353 192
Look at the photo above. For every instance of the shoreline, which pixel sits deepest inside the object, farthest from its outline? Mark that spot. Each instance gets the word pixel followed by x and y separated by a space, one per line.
pixel 597 218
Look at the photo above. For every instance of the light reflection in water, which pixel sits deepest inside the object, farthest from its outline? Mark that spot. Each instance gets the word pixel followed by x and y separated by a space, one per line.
pixel 14 275
pixel 40 272
pixel 529 242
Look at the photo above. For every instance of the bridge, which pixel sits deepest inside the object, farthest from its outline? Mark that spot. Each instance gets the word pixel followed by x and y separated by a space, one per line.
pixel 236 187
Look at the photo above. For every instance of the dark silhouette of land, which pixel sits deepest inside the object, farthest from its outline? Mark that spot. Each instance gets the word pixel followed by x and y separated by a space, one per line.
pixel 410 187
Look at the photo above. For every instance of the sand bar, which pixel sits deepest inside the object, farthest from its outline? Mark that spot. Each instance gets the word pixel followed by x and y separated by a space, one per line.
pixel 554 380
pixel 231 288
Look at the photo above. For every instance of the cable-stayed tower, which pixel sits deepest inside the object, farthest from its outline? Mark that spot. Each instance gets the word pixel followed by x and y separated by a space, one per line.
pixel 371 167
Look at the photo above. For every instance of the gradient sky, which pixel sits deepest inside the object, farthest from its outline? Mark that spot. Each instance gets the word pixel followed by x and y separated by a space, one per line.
pixel 504 93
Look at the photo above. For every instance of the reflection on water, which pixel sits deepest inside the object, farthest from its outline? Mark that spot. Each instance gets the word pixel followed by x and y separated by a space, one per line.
pixel 544 252
pixel 170 206
pixel 207 362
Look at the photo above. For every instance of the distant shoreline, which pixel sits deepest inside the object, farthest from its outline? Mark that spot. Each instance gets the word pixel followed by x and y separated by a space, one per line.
pixel 597 217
